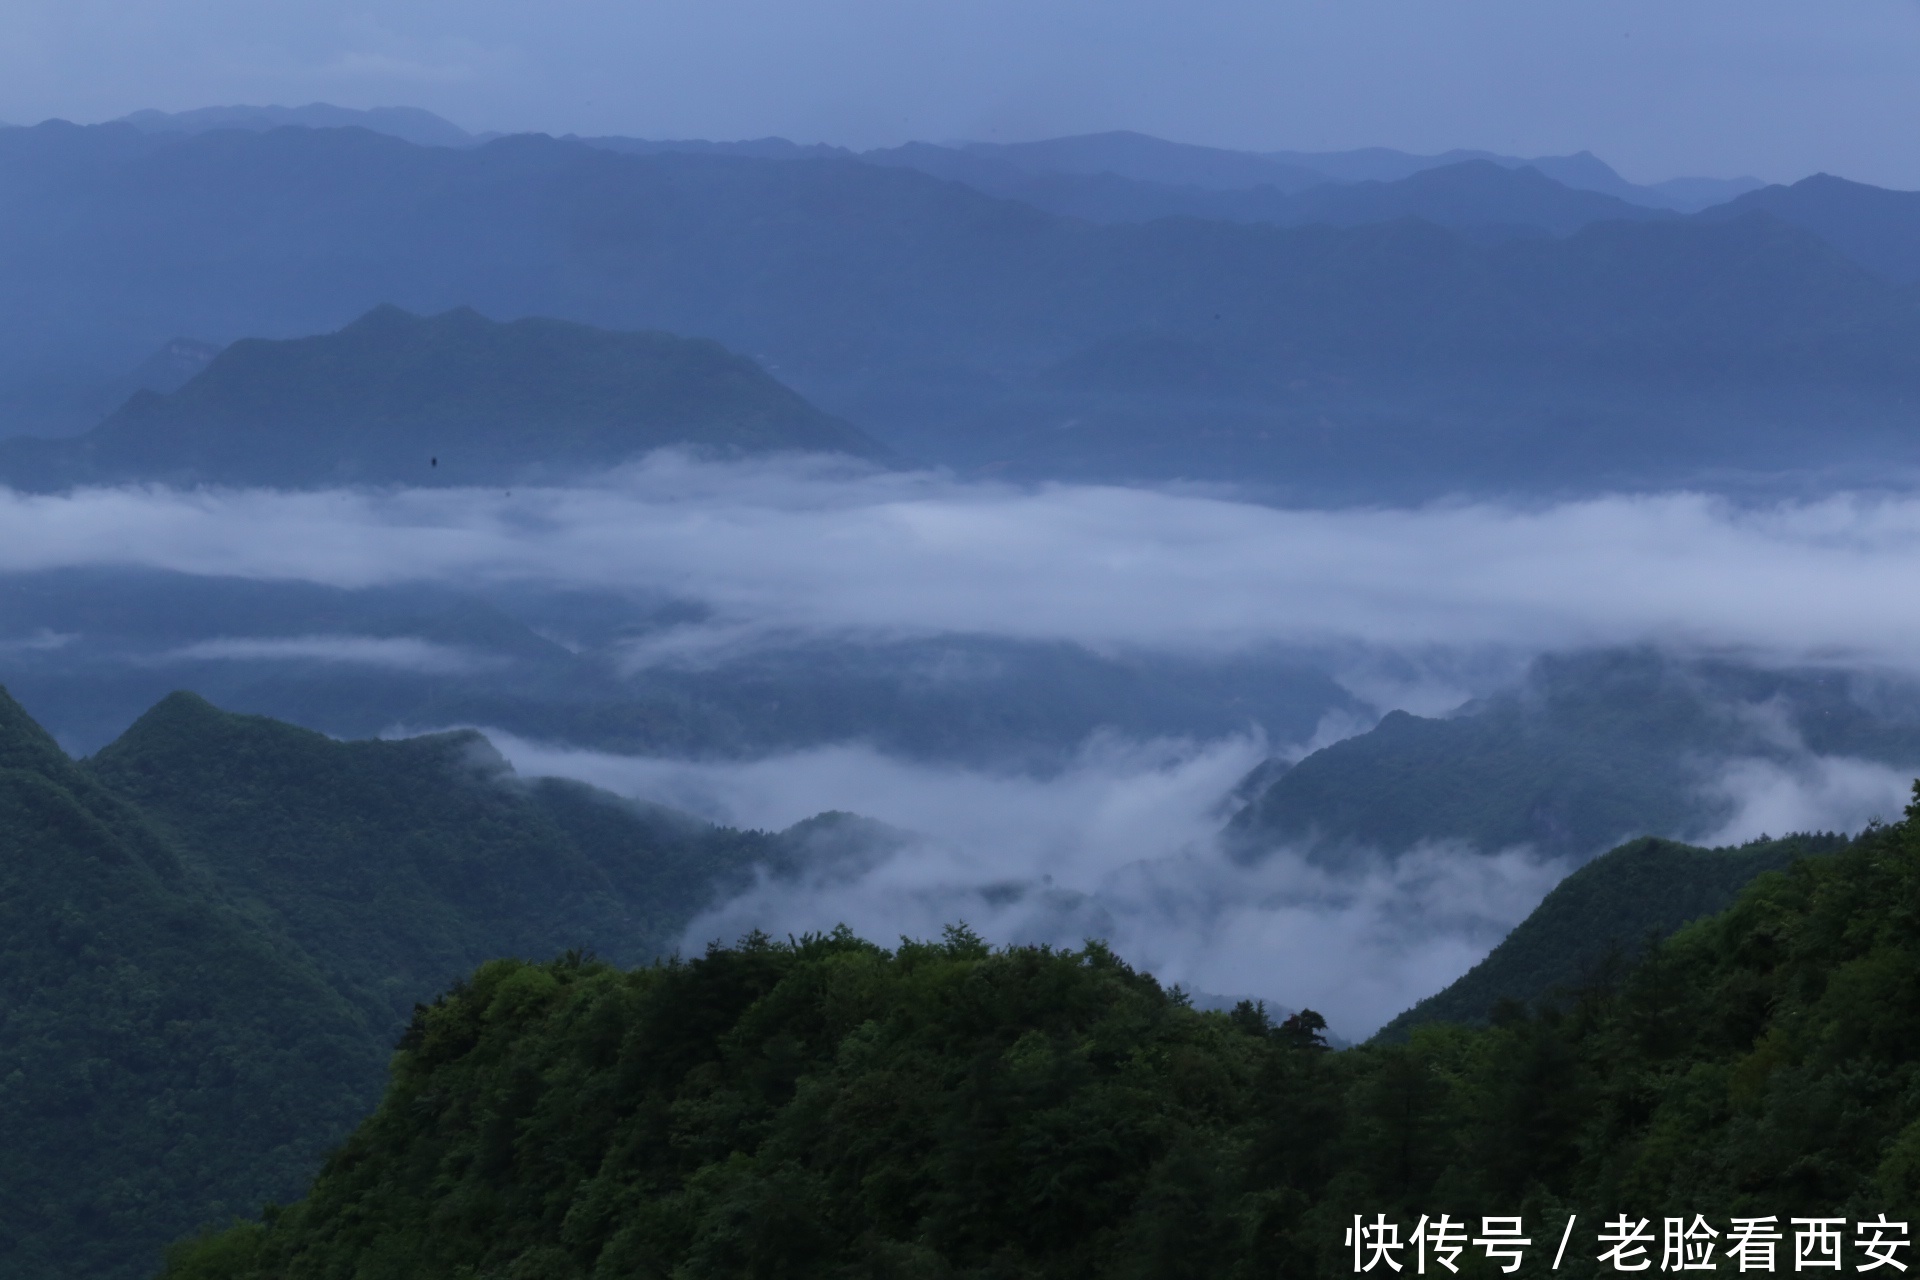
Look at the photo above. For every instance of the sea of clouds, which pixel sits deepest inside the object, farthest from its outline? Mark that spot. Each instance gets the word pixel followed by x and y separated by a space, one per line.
pixel 1120 843
pixel 1120 846
pixel 819 547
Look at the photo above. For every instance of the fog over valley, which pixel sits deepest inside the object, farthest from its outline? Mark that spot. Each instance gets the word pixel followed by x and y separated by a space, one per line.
pixel 688 583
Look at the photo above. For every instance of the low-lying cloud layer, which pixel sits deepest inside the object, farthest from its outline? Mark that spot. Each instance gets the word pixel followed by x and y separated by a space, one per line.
pixel 1120 846
pixel 397 653
pixel 815 547
pixel 1806 793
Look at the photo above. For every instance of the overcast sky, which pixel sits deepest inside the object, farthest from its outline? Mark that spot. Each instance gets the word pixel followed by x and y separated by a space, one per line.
pixel 1776 88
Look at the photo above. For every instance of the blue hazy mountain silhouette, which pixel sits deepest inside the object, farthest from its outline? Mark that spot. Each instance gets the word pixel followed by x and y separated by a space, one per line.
pixel 1392 352
pixel 449 399
pixel 1872 225
pixel 412 124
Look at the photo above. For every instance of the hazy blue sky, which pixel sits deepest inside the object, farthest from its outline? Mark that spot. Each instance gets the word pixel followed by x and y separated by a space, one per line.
pixel 1778 88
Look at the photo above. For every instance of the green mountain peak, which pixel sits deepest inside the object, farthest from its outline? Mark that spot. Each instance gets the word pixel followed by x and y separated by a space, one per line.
pixel 24 744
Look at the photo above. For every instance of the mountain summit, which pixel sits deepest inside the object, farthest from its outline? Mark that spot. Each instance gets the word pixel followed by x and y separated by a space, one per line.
pixel 449 399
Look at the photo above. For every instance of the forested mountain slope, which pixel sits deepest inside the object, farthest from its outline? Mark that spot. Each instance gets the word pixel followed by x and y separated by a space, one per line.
pixel 1600 919
pixel 163 1059
pixel 213 931
pixel 829 1108
pixel 399 866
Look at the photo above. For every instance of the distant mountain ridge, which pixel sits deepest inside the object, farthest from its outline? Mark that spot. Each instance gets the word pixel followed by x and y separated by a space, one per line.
pixel 1392 359
pixel 1590 749
pixel 448 399
pixel 1118 153
pixel 1581 171
pixel 1476 195
pixel 1136 155
pixel 1872 225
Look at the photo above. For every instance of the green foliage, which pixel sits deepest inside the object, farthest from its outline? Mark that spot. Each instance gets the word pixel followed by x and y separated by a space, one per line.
pixel 212 933
pixel 794 1108
pixel 163 1061
pixel 826 1108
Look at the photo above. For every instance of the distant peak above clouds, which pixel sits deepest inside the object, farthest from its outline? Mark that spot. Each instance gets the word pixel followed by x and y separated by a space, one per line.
pixel 449 399
pixel 411 124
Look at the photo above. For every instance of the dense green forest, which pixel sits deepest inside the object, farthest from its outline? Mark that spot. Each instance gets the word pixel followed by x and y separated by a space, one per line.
pixel 161 1056
pixel 824 1107
pixel 213 931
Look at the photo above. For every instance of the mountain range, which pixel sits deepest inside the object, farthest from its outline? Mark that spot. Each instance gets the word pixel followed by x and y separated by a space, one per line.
pixel 1491 200
pixel 1387 358
pixel 1135 157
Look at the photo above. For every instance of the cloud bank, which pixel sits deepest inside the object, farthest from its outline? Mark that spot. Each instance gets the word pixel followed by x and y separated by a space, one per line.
pixel 1808 793
pixel 397 653
pixel 814 548
pixel 1118 846
pixel 1122 845
pixel 1119 843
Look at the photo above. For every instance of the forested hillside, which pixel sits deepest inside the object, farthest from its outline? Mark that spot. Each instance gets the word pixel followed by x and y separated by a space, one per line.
pixel 946 1109
pixel 213 931
pixel 162 1057
pixel 1601 919
pixel 400 865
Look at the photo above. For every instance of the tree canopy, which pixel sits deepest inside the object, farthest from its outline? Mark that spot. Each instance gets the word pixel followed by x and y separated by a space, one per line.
pixel 825 1107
